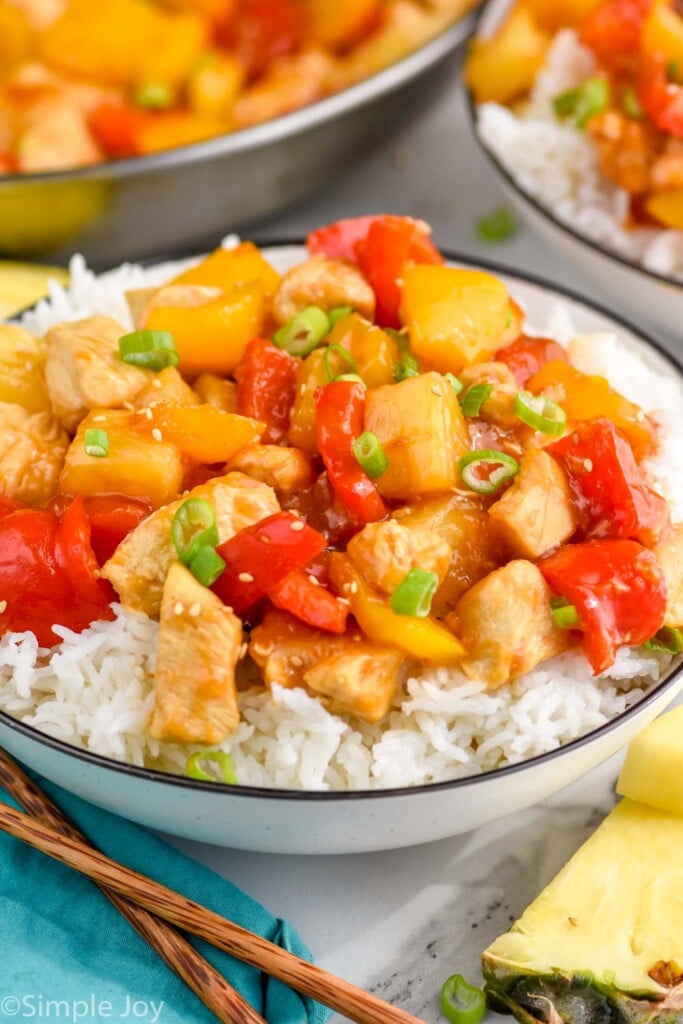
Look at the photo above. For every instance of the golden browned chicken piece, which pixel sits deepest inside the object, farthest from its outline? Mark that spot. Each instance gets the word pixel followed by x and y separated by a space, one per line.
pixel 215 391
pixel 195 697
pixel 667 170
pixel 627 149
pixel 293 81
pixel 324 283
pixel 536 513
pixel 32 451
pixel 357 676
pixel 180 296
pixel 166 387
pixel 56 137
pixel 137 570
pixel 286 470
pixel 669 554
pixel 84 370
pixel 499 408
pixel 385 553
pixel 422 431
pixel 505 624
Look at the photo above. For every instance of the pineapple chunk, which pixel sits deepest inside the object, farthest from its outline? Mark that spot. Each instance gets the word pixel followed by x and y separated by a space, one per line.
pixel 166 387
pixel 603 941
pixel 422 431
pixel 374 351
pixel 135 465
pixel 456 317
pixel 653 769
pixel 504 66
pixel 194 679
pixel 22 369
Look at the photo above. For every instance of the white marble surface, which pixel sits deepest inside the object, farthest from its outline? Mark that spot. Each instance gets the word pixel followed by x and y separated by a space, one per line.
pixel 402 922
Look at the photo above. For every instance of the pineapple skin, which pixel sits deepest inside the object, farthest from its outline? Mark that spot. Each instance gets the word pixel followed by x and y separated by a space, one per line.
pixel 603 943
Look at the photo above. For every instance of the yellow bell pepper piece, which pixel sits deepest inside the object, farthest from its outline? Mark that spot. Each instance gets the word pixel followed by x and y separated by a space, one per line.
pixel 167 131
pixel 553 15
pixel 215 84
pixel 423 639
pixel 667 206
pixel 375 352
pixel 202 432
pixel 225 268
pixel 505 66
pixel 662 33
pixel 302 425
pixel 585 397
pixel 455 317
pixel 212 337
pixel 15 35
pixel 336 26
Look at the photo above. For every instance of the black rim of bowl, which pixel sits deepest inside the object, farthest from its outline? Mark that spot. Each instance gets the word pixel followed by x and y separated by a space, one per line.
pixel 268 793
pixel 384 81
pixel 538 207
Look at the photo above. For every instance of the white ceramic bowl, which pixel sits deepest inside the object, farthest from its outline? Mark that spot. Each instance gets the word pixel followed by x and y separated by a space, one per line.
pixel 652 297
pixel 286 821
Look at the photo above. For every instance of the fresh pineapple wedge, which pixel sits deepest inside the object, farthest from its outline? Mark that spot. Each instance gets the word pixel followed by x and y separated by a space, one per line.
pixel 604 941
pixel 653 769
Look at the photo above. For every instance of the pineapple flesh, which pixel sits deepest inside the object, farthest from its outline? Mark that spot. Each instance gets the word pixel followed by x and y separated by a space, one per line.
pixel 604 941
pixel 653 769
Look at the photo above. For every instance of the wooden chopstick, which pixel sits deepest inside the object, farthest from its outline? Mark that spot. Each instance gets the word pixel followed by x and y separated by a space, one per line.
pixel 205 981
pixel 192 917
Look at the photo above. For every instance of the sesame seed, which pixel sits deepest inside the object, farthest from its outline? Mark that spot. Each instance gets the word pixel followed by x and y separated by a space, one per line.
pixel 128 405
pixel 357 639
pixel 156 383
pixel 297 526
pixel 242 651
pixel 588 465
pixel 245 577
pixel 640 416
pixel 28 365
pixel 313 579
pixel 3 607
pixel 353 586
pixel 264 539
pixel 157 435
pixel 195 609
pixel 99 419
pixel 229 609
pixel 148 414
pixel 344 600
pixel 436 391
pixel 296 661
pixel 178 608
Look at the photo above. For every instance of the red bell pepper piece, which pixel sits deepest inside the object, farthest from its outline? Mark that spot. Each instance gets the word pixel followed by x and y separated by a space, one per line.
pixel 49 574
pixel 381 246
pixel 117 128
pixel 112 517
pixel 612 30
pixel 660 98
pixel 263 30
pixel 266 387
pixel 617 589
pixel 610 491
pixel 263 554
pixel 308 601
pixel 340 412
pixel 8 505
pixel 525 356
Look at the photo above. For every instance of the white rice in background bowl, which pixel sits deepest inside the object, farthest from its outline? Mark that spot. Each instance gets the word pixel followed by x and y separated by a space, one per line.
pixel 94 690
pixel 557 164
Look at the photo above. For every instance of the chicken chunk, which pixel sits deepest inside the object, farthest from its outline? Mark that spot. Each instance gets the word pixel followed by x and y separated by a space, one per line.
pixel 167 387
pixel 354 675
pixel 499 408
pixel 195 697
pixel 505 624
pixel 139 566
pixel 536 513
pixel 669 555
pixel 286 470
pixel 385 552
pixel 216 391
pixel 56 137
pixel 84 370
pixel 324 283
pixel 291 82
pixel 32 451
pixel 178 296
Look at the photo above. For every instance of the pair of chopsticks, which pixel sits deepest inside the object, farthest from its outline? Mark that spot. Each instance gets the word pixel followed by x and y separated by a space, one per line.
pixel 153 909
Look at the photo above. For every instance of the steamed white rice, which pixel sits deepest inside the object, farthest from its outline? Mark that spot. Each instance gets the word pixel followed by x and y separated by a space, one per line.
pixel 558 165
pixel 94 690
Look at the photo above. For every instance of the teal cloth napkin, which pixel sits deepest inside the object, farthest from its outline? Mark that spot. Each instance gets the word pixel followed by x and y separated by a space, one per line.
pixel 67 956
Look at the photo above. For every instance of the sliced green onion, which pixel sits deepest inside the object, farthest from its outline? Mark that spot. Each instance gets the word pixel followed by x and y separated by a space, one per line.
pixel 211 766
pixel 152 350
pixel 154 96
pixel 456 384
pixel 540 413
pixel 351 377
pixel 486 470
pixel 462 1003
pixel 407 367
pixel 673 71
pixel 337 314
pixel 630 105
pixel 207 565
pixel 96 443
pixel 497 226
pixel 343 354
pixel 581 104
pixel 304 332
pixel 473 399
pixel 370 455
pixel 563 613
pixel 413 595
pixel 667 641
pixel 194 527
